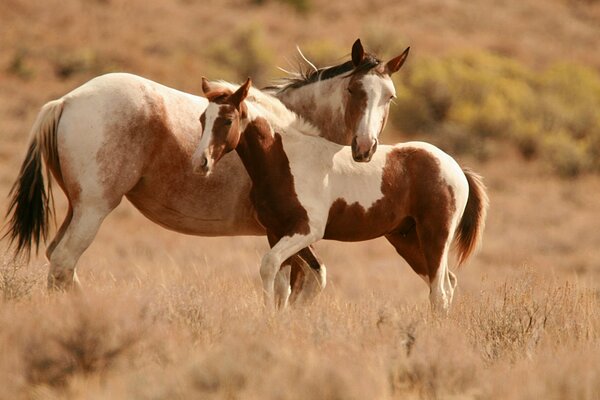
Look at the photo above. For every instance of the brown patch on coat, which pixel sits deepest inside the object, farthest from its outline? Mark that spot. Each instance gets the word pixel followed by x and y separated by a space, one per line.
pixel 414 213
pixel 411 187
pixel 130 145
pixel 329 122
pixel 218 95
pixel 225 131
pixel 356 104
pixel 273 193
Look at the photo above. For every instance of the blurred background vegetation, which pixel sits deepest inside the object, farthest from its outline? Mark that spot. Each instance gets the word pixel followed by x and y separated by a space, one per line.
pixel 482 79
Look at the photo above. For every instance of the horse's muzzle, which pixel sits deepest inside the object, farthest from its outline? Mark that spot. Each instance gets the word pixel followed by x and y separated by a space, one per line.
pixel 362 153
pixel 201 165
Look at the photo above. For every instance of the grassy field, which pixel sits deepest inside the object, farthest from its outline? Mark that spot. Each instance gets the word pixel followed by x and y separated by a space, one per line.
pixel 169 316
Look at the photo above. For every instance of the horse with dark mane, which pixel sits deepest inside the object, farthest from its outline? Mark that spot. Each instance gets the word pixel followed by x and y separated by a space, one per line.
pixel 305 188
pixel 120 135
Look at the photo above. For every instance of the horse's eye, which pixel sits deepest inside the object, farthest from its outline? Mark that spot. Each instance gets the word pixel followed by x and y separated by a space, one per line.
pixel 227 122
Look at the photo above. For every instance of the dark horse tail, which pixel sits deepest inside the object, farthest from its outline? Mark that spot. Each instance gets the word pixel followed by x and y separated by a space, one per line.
pixel 470 228
pixel 30 204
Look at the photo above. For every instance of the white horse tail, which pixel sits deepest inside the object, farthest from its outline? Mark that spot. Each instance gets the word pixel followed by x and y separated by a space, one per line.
pixel 30 204
pixel 470 228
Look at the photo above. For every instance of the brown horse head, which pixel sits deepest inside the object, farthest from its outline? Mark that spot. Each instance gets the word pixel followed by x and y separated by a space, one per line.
pixel 369 93
pixel 221 121
pixel 349 102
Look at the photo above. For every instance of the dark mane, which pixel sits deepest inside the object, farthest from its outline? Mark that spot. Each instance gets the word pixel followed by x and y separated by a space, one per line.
pixel 305 77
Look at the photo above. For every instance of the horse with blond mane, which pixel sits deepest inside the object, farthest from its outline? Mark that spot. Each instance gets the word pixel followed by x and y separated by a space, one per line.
pixel 305 188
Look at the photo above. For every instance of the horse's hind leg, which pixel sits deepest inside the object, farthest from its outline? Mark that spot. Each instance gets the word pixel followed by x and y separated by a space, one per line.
pixel 408 245
pixel 301 278
pixel 74 237
pixel 282 286
pixel 309 277
pixel 426 251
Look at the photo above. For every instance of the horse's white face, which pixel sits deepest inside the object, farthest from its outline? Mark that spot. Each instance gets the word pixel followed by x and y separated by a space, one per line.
pixel 368 100
pixel 221 127
pixel 367 106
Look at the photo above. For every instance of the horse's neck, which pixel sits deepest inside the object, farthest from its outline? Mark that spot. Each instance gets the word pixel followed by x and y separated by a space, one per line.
pixel 261 151
pixel 321 104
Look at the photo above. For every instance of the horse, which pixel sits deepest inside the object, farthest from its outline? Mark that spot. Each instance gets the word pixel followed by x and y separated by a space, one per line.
pixel 120 135
pixel 305 188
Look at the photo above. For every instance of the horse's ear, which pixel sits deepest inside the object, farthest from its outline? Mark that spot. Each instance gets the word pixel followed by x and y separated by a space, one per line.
pixel 206 86
pixel 395 63
pixel 240 94
pixel 358 53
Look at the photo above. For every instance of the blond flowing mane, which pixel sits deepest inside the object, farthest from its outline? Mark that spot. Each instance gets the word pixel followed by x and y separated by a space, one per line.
pixel 271 108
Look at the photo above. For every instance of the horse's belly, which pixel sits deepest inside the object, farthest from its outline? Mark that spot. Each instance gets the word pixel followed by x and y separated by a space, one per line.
pixel 218 205
pixel 194 222
pixel 352 223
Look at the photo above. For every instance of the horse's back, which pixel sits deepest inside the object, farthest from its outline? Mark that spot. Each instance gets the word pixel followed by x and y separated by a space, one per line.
pixel 428 162
pixel 129 93
pixel 113 124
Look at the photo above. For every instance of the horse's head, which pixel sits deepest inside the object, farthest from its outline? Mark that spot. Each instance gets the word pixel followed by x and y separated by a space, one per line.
pixel 221 122
pixel 349 102
pixel 368 95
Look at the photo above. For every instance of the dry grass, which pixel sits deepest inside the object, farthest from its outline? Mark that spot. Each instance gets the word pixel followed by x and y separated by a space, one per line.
pixel 168 316
pixel 202 335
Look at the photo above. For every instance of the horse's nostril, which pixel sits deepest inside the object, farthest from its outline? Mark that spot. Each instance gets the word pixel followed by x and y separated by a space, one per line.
pixel 203 162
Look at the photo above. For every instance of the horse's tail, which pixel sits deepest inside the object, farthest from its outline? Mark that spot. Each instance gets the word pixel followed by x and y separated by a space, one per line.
pixel 470 227
pixel 30 205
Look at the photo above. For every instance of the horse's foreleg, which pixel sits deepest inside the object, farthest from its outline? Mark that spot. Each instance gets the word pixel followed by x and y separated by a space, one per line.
pixel 74 237
pixel 283 277
pixel 281 251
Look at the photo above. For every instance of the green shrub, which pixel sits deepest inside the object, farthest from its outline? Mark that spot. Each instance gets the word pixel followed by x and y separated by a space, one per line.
pixel 486 98
pixel 85 61
pixel 300 6
pixel 323 53
pixel 19 66
pixel 242 55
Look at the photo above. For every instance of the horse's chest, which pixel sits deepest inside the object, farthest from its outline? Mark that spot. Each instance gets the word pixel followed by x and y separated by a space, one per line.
pixel 279 211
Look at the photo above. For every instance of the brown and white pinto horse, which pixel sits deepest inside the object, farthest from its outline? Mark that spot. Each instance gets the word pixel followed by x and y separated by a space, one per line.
pixel 123 135
pixel 305 188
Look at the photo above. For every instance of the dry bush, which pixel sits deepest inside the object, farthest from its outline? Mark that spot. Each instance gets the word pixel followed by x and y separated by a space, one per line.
pixel 202 335
pixel 554 375
pixel 514 320
pixel 17 279
pixel 74 335
pixel 268 368
pixel 434 360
